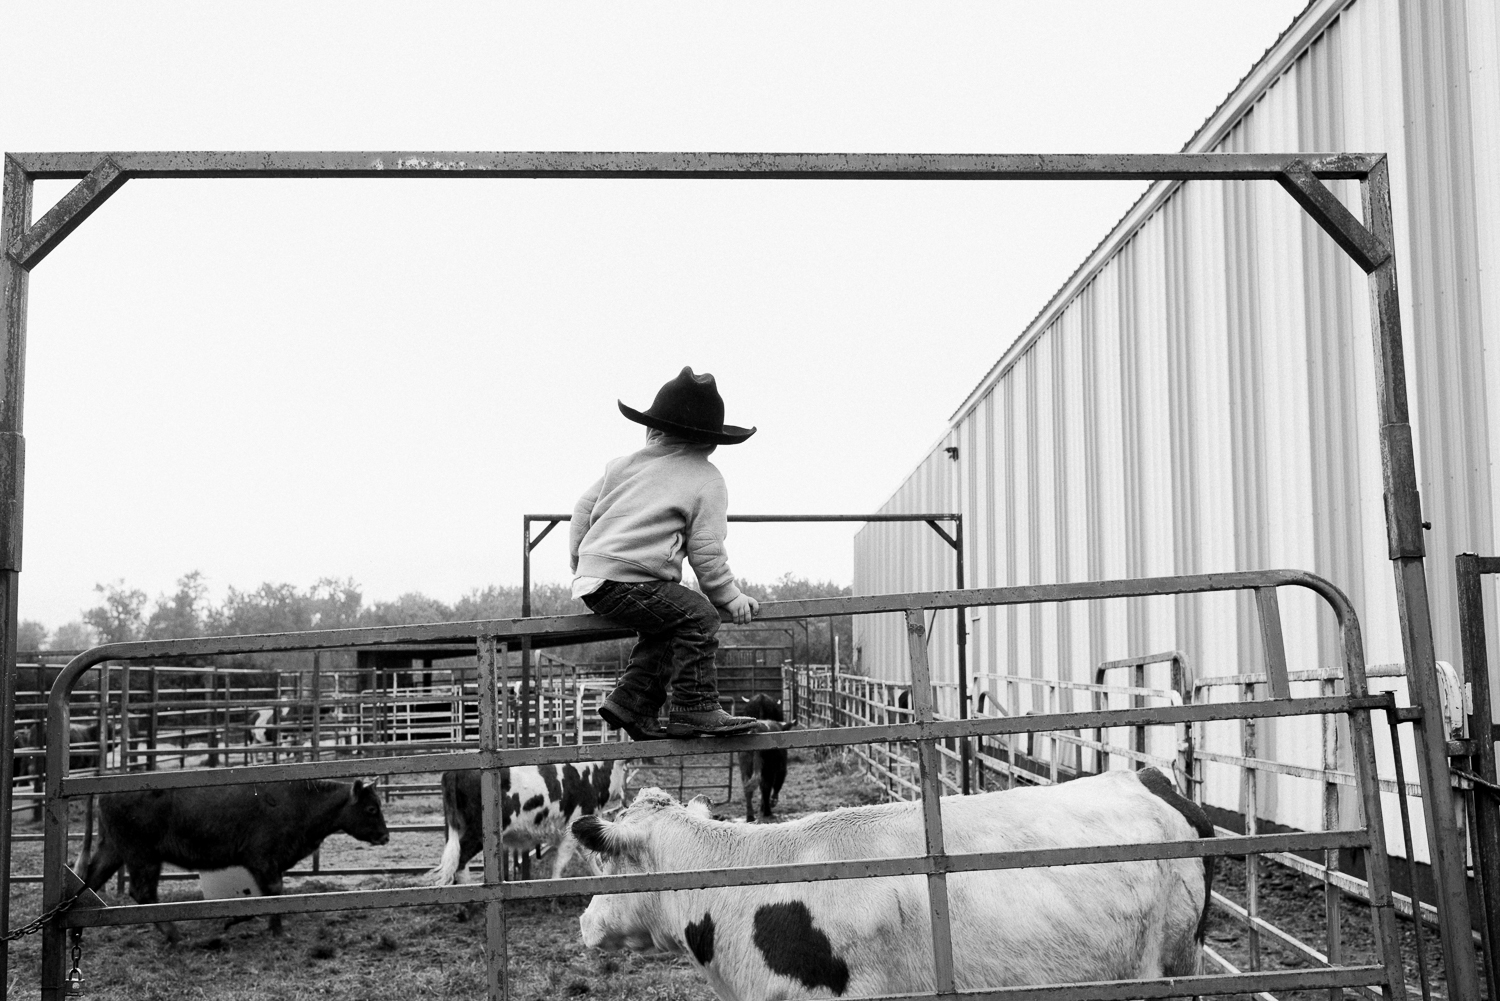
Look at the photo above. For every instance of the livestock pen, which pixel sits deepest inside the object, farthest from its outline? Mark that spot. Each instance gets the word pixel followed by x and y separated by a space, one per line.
pixel 829 698
pixel 499 748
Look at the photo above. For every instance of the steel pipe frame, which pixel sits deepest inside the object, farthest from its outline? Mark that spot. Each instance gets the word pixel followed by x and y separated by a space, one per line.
pixel 1369 243
pixel 1483 816
pixel 926 730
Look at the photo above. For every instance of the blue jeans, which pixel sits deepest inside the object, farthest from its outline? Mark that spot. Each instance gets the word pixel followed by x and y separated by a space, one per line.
pixel 677 631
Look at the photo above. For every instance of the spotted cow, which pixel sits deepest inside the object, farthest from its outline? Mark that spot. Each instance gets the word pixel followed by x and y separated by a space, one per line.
pixel 539 803
pixel 861 937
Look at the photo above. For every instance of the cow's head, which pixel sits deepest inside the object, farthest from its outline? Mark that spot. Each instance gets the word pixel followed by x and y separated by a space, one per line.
pixel 762 706
pixel 362 817
pixel 655 833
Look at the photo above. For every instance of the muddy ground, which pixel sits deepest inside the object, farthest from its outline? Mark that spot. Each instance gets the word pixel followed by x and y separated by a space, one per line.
pixel 431 952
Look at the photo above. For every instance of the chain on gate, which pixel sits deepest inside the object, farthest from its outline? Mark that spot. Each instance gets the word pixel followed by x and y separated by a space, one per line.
pixel 73 984
pixel 1480 783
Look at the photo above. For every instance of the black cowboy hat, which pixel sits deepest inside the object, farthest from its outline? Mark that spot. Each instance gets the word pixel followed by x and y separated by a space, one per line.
pixel 690 407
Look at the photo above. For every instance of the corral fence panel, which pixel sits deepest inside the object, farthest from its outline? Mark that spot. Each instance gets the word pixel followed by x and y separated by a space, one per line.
pixel 923 728
pixel 1043 758
pixel 1476 748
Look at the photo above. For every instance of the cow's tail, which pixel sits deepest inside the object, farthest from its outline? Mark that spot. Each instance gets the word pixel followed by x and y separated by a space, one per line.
pixel 446 871
pixel 1189 961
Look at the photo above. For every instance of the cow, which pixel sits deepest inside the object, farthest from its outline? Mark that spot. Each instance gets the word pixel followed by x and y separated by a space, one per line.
pixel 862 937
pixel 265 828
pixel 763 772
pixel 538 805
pixel 265 727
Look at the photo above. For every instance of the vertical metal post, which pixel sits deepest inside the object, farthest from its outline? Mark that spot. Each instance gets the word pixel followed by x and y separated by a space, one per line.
pixel 1403 511
pixel 54 849
pixel 212 702
pixel 9 585
pixel 1271 639
pixel 15 216
pixel 932 818
pixel 1249 801
pixel 317 703
pixel 1486 815
pixel 1331 821
pixel 1413 886
pixel 1367 777
pixel 491 722
pixel 1138 680
pixel 152 724
pixel 965 744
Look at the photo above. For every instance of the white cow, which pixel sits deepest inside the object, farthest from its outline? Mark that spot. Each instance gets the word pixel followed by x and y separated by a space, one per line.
pixel 860 937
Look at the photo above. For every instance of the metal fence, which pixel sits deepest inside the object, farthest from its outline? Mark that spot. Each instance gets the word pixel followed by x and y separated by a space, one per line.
pixel 1059 755
pixel 497 750
pixel 1477 750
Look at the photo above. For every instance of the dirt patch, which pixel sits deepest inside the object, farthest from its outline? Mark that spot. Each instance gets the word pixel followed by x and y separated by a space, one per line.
pixel 434 952
pixel 1294 903
pixel 395 955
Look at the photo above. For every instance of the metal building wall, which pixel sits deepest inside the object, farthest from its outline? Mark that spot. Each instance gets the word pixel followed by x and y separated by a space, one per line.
pixel 1200 395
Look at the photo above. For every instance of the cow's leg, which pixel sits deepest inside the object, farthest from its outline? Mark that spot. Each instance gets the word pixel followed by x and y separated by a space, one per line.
pixel 144 878
pixel 104 863
pixel 756 783
pixel 271 886
pixel 766 800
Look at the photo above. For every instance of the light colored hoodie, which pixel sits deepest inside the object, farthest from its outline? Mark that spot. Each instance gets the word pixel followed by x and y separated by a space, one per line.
pixel 649 510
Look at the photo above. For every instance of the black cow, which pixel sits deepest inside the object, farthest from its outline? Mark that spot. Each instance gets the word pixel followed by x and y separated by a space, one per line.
pixel 265 828
pixel 763 771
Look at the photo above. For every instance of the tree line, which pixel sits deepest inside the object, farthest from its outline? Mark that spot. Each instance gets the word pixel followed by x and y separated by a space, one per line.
pixel 122 614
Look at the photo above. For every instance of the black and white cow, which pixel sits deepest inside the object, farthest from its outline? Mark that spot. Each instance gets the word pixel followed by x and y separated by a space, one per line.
pixel 538 806
pixel 763 772
pixel 862 937
pixel 265 828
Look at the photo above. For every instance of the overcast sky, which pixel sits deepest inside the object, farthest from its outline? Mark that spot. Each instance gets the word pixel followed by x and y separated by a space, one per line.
pixel 286 380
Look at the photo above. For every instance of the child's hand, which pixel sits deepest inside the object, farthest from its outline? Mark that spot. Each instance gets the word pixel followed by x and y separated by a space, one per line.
pixel 743 608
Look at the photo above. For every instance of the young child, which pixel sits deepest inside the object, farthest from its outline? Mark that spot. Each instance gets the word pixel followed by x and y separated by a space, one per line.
pixel 629 534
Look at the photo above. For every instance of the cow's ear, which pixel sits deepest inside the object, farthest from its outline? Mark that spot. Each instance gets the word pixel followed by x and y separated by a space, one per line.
pixel 700 806
pixel 599 835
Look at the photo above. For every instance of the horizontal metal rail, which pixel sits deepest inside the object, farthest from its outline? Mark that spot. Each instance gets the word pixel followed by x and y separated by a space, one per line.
pixel 581 626
pixel 748 166
pixel 568 753
pixel 1301 772
pixel 741 876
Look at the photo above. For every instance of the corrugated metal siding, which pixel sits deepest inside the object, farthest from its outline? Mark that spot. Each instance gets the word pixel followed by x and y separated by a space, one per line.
pixel 1202 396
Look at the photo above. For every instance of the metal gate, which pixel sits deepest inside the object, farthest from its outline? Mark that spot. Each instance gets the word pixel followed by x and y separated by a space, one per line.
pixel 1482 799
pixel 493 637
